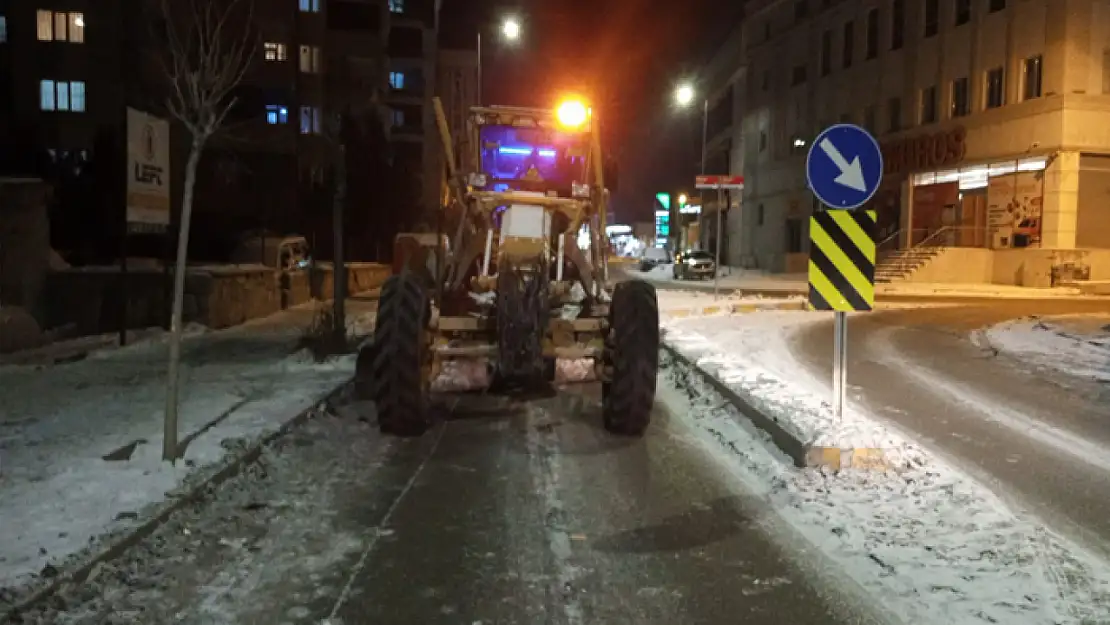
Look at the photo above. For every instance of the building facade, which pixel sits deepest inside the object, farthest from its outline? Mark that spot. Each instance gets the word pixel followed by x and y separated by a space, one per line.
pixel 989 114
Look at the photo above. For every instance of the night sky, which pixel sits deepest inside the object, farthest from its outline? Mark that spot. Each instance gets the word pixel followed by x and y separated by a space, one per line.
pixel 626 55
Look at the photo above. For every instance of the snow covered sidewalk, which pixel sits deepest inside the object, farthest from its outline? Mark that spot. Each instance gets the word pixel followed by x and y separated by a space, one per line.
pixel 1074 345
pixel 80 443
pixel 923 539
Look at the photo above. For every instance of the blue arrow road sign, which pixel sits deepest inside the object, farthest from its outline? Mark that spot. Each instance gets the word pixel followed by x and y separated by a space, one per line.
pixel 844 166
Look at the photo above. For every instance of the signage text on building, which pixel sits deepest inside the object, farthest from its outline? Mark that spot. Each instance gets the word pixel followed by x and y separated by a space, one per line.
pixel 925 152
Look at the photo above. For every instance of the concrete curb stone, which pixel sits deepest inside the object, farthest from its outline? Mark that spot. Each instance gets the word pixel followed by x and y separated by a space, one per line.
pixel 800 452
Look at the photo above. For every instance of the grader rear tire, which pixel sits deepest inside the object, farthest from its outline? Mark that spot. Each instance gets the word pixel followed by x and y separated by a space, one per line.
pixel 398 385
pixel 632 352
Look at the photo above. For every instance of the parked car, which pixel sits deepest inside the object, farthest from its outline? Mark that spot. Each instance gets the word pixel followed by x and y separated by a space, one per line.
pixel 694 264
pixel 653 257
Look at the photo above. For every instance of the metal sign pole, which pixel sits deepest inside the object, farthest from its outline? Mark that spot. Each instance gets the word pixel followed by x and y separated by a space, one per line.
pixel 717 260
pixel 840 362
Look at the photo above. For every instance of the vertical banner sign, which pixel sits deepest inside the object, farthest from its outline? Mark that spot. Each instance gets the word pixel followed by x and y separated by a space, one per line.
pixel 148 171
pixel 842 261
pixel 844 168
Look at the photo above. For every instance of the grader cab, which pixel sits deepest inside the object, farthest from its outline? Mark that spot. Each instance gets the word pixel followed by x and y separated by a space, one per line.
pixel 512 284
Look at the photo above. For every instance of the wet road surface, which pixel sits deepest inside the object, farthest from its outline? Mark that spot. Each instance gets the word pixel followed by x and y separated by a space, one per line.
pixel 1040 439
pixel 510 511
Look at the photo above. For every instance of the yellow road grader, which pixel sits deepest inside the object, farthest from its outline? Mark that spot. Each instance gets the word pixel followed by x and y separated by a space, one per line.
pixel 506 278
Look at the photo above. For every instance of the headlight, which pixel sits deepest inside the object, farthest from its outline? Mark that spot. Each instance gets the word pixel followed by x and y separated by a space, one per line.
pixel 476 180
pixel 579 190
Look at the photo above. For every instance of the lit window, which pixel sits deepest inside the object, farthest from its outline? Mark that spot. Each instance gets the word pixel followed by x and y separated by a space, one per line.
pixel 3 29
pixel 397 80
pixel 275 51
pixel 310 59
pixel 45 26
pixel 63 96
pixel 59 95
pixel 310 120
pixel 310 6
pixel 276 114
pixel 397 6
pixel 60 21
pixel 46 95
pixel 77 28
pixel 77 96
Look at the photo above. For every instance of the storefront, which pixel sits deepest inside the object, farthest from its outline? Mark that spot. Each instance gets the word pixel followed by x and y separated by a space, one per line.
pixel 996 205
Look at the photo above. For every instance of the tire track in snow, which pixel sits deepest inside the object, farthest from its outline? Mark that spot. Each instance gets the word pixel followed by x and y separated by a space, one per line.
pixel 544 469
pixel 345 594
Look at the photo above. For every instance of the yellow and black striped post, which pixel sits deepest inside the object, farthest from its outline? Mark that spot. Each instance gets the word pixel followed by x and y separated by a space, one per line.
pixel 842 260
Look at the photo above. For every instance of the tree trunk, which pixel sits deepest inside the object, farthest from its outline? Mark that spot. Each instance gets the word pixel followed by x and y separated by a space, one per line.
pixel 169 436
pixel 339 262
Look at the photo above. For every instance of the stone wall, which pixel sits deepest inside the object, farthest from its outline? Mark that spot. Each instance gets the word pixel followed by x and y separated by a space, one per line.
pixel 215 296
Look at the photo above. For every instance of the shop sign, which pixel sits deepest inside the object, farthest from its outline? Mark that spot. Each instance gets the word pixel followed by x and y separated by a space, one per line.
pixel 925 152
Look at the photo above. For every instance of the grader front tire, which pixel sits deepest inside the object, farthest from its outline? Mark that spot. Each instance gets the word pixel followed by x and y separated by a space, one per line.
pixel 399 352
pixel 632 354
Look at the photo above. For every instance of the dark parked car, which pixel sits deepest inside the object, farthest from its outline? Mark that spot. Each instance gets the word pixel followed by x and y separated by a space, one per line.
pixel 694 264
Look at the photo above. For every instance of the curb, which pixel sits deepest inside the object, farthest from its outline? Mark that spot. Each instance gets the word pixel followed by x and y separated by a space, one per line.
pixel 192 493
pixel 804 455
pixel 733 309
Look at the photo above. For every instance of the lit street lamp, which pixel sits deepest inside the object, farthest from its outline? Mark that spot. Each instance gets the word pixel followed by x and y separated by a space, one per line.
pixel 684 96
pixel 511 31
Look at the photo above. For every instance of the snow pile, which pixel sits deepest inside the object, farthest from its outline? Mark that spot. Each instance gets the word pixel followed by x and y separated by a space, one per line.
pixel 573 370
pixel 750 354
pixel 80 444
pixel 461 375
pixel 1077 346
pixel 672 300
pixel 929 543
pixel 362 324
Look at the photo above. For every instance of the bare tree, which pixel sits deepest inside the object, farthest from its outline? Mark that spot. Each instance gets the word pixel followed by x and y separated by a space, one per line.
pixel 207 48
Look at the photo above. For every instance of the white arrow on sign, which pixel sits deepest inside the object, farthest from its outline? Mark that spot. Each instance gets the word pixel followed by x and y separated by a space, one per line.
pixel 851 174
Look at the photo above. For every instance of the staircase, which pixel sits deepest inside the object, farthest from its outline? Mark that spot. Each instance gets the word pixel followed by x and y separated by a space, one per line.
pixel 899 265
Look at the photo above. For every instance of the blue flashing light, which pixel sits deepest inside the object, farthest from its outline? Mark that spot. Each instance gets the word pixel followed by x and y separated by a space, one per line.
pixel 547 153
pixel 500 187
pixel 521 151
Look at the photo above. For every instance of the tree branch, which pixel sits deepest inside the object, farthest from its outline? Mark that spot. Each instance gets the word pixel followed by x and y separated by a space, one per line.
pixel 205 58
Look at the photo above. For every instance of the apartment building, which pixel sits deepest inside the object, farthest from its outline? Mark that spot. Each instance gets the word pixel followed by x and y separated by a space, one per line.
pixel 69 70
pixel 989 113
pixel 412 61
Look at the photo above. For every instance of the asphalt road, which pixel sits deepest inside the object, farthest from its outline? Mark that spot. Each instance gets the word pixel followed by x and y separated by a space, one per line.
pixel 509 511
pixel 1042 440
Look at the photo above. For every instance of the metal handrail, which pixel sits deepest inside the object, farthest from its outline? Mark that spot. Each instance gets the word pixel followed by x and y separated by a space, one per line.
pixel 904 264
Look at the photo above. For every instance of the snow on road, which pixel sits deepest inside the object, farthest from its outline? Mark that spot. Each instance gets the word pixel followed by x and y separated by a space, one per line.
pixel 1075 345
pixel 60 496
pixel 925 540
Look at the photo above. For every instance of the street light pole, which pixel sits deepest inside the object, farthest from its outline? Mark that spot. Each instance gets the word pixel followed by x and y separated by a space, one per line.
pixel 479 67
